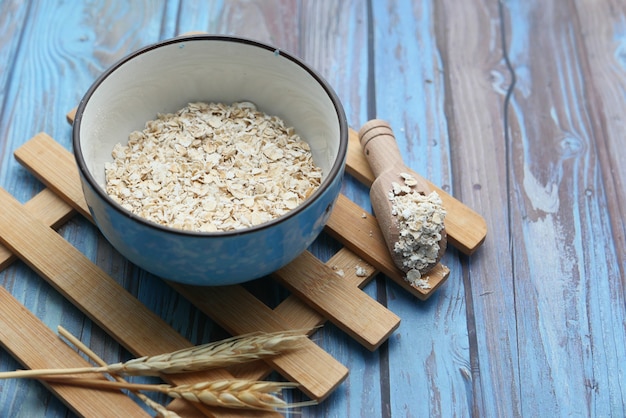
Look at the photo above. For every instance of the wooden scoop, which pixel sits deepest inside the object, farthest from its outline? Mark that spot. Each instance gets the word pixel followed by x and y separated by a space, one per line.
pixel 381 150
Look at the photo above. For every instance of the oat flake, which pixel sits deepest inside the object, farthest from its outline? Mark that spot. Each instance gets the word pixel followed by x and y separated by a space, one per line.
pixel 212 167
pixel 421 221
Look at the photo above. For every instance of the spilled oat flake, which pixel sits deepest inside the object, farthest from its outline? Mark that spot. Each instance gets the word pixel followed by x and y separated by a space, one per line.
pixel 212 167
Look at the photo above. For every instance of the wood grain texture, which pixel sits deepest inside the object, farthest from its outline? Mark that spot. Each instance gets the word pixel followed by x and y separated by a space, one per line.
pixel 346 306
pixel 47 207
pixel 605 46
pixel 530 325
pixel 476 78
pixel 605 91
pixel 367 241
pixel 56 167
pixel 556 171
pixel 410 94
pixel 22 334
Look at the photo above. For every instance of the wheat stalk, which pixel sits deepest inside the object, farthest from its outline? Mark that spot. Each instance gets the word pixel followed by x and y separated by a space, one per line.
pixel 232 393
pixel 162 411
pixel 223 353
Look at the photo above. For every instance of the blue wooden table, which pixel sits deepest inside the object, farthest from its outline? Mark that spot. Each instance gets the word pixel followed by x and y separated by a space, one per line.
pixel 517 108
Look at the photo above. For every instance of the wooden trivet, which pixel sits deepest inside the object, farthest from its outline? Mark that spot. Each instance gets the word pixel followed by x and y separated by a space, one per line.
pixel 317 289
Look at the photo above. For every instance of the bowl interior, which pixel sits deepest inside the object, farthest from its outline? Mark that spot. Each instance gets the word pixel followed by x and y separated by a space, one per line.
pixel 165 77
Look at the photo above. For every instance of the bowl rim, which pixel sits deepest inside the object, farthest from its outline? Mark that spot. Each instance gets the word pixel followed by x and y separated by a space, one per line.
pixel 335 171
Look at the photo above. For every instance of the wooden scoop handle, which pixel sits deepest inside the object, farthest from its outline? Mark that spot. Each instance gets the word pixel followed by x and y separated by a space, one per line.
pixel 382 152
pixel 380 147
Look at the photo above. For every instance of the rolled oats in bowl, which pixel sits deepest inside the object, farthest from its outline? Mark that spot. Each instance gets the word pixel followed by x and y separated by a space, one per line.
pixel 212 167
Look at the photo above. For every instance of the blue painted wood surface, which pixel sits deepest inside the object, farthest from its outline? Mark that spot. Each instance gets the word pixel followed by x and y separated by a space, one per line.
pixel 516 107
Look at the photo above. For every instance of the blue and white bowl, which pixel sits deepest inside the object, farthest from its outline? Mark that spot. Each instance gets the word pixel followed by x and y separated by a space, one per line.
pixel 165 77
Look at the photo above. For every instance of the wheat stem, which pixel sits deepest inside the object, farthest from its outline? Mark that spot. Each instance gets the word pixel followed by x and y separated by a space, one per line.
pixel 50 372
pixel 223 353
pixel 80 346
pixel 162 411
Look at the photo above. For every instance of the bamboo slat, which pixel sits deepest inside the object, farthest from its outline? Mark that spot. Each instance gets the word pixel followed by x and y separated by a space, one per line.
pixel 359 231
pixel 352 310
pixel 47 207
pixel 36 346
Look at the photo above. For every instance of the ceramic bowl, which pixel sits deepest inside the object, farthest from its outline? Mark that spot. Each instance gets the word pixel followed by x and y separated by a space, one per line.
pixel 165 77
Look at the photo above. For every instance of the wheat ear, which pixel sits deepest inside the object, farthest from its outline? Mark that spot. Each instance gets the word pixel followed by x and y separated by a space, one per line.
pixel 233 393
pixel 235 350
pixel 162 411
